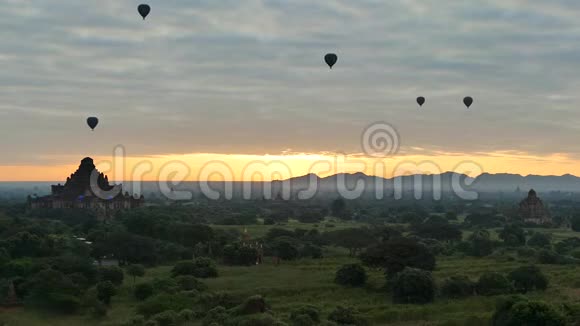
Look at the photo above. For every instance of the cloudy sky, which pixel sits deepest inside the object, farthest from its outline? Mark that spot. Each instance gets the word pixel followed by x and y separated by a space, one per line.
pixel 240 79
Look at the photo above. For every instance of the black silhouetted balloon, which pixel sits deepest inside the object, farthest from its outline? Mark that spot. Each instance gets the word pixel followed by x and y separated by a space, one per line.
pixel 144 10
pixel 468 101
pixel 331 59
pixel 420 100
pixel 92 122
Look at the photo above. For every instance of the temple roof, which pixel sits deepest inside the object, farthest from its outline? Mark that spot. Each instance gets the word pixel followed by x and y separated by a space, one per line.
pixel 79 183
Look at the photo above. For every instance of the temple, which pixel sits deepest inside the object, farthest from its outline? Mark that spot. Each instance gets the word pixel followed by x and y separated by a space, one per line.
pixel 87 189
pixel 532 210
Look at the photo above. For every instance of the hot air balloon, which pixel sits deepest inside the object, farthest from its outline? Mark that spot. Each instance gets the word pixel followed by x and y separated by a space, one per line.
pixel 420 100
pixel 331 59
pixel 144 10
pixel 92 122
pixel 468 101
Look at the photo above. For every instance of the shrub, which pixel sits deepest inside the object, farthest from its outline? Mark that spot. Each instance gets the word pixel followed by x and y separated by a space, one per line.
pixel 305 315
pixel 457 287
pixel 575 253
pixel 567 245
pixel 166 318
pixel 252 305
pixel 269 221
pixel 346 316
pixel 413 286
pixel 186 315
pixel 516 311
pixel 143 291
pixel 162 302
pixel 136 320
pixel 212 300
pixel 215 316
pixel 351 275
pixel 528 278
pixel 492 283
pixel 302 320
pixel 188 283
pixel 113 274
pixel 168 285
pixel 255 320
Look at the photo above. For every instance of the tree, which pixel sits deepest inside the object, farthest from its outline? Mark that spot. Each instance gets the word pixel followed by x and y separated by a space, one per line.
pixel 398 253
pixel 338 207
pixel 414 286
pixel 385 233
pixel 351 275
pixel 540 240
pixel 480 243
pixel 311 251
pixel 491 283
pixel 274 233
pixel 310 216
pixel 513 235
pixel 200 267
pixel 438 231
pixel 451 216
pixel 528 278
pixel 236 254
pixel 136 270
pixel 353 239
pixel 575 223
pixel 112 273
pixel 484 220
pixel 105 291
pixel 285 248
pixel 52 290
pixel 457 287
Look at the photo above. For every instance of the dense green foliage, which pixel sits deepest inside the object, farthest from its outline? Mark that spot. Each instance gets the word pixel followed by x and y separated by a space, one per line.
pixel 413 286
pixel 193 265
pixel 351 275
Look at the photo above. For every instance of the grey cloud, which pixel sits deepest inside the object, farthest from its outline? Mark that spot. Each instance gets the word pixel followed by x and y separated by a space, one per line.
pixel 248 76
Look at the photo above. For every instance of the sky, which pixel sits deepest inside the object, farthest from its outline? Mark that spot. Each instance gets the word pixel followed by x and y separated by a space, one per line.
pixel 243 81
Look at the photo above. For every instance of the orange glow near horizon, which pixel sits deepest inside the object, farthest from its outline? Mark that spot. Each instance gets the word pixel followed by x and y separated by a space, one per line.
pixel 241 167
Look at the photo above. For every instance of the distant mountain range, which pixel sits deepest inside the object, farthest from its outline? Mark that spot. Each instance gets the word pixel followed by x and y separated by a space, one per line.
pixel 485 182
